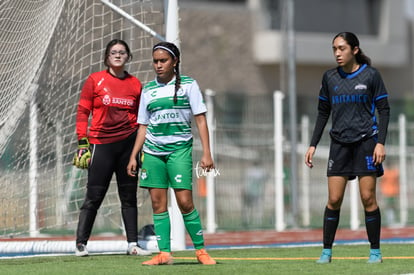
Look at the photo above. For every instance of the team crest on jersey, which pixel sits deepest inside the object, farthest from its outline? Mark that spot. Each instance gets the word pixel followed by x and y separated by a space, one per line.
pixel 180 92
pixel 361 87
pixel 106 100
pixel 154 93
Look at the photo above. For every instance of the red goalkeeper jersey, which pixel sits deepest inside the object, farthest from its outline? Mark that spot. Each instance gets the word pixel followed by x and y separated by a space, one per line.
pixel 113 103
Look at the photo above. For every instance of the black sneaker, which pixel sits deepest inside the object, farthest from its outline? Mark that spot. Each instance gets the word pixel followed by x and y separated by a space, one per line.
pixel 81 250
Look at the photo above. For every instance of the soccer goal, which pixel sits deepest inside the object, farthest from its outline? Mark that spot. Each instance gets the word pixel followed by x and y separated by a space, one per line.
pixel 47 49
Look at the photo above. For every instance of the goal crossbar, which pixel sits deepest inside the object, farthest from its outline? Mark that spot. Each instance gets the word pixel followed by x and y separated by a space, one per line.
pixel 133 20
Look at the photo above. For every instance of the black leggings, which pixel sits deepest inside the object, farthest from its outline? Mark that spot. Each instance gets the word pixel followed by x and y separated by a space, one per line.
pixel 106 160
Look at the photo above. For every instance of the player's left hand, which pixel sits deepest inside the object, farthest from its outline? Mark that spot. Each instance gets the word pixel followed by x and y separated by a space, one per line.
pixel 207 162
pixel 309 155
pixel 379 154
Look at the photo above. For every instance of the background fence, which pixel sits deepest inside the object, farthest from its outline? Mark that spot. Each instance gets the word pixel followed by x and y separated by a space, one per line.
pixel 48 49
pixel 244 136
pixel 38 107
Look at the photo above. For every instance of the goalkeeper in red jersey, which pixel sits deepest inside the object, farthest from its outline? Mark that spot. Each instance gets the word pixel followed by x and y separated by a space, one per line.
pixel 111 98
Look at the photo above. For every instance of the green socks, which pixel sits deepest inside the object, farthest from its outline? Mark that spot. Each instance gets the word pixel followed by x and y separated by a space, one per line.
pixel 162 228
pixel 192 223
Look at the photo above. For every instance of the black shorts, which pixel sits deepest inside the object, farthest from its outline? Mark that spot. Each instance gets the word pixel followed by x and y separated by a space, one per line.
pixel 110 158
pixel 353 159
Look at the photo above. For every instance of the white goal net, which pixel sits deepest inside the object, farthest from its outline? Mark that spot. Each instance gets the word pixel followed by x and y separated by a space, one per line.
pixel 47 50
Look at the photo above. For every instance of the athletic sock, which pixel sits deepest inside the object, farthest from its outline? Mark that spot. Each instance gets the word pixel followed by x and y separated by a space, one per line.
pixel 162 228
pixel 131 244
pixel 330 225
pixel 192 223
pixel 373 226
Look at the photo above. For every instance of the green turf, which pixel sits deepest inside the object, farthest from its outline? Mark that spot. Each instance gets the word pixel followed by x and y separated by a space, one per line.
pixel 347 259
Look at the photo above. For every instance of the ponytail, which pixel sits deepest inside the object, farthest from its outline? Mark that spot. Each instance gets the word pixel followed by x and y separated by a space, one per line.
pixel 177 81
pixel 361 58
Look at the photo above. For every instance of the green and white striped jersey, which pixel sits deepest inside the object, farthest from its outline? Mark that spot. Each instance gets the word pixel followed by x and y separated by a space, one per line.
pixel 169 124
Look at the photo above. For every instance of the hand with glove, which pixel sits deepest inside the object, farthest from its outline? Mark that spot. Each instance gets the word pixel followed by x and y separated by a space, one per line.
pixel 83 154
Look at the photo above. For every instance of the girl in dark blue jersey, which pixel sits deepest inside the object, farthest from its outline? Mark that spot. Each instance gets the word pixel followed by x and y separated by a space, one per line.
pixel 351 93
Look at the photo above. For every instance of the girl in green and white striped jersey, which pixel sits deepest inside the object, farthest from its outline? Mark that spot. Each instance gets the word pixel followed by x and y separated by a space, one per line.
pixel 167 106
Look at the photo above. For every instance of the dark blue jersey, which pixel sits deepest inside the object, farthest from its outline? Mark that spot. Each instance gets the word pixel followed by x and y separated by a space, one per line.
pixel 352 100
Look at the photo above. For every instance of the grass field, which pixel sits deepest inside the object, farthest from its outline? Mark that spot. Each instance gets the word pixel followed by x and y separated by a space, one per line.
pixel 347 259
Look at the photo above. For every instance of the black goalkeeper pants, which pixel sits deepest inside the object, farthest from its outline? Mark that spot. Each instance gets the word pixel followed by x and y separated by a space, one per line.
pixel 106 160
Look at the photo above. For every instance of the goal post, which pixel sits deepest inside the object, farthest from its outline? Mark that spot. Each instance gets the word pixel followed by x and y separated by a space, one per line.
pixel 41 74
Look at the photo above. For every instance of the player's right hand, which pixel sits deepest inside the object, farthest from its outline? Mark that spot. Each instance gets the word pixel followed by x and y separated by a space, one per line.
pixel 82 157
pixel 309 156
pixel 132 167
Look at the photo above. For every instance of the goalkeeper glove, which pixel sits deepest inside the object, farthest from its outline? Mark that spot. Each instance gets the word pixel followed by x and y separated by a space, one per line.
pixel 83 154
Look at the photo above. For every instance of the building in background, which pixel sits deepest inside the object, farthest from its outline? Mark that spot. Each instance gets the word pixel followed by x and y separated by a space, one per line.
pixel 239 46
